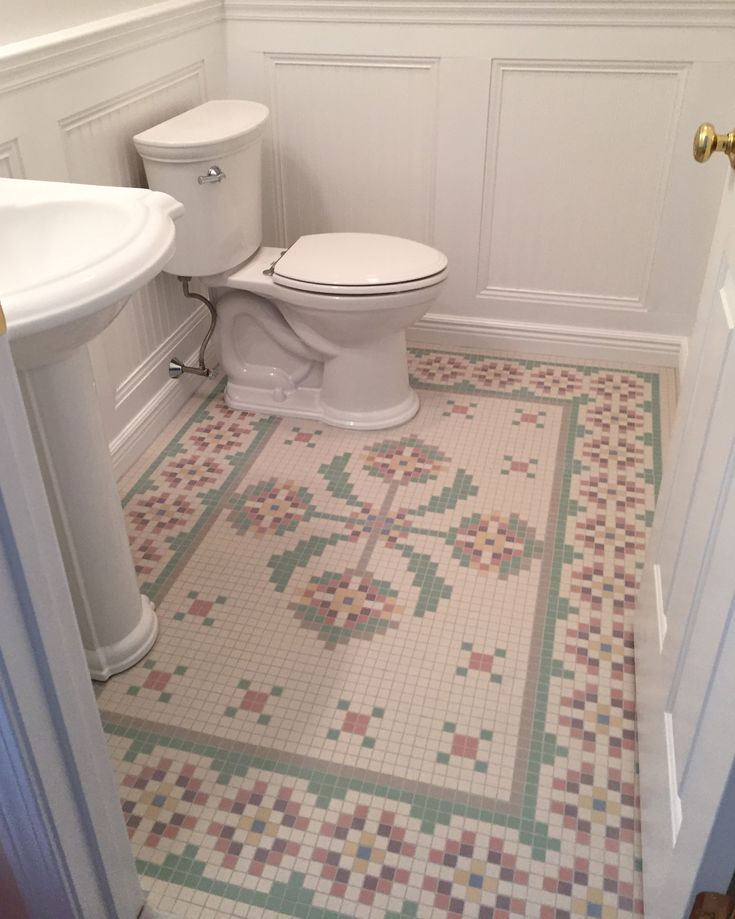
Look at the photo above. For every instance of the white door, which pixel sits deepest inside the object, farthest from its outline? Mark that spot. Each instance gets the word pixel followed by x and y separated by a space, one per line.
pixel 684 630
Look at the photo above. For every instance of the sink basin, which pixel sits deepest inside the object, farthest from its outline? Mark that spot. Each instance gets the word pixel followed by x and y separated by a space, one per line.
pixel 70 257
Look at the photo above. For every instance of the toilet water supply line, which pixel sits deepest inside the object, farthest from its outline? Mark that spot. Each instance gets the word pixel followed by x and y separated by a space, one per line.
pixel 176 367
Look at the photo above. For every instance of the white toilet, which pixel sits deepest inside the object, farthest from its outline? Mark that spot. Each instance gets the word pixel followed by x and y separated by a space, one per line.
pixel 317 331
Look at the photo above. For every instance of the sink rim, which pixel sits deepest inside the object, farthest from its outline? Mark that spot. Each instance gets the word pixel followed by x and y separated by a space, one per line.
pixel 133 209
pixel 132 259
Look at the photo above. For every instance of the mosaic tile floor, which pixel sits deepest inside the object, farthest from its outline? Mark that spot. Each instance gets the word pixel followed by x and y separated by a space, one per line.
pixel 395 670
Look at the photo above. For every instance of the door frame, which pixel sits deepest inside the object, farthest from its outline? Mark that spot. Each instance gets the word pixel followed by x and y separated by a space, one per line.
pixel 64 849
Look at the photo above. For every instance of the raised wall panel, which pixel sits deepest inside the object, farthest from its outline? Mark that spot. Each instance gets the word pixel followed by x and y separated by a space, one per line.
pixel 11 165
pixel 578 157
pixel 354 144
pixel 99 150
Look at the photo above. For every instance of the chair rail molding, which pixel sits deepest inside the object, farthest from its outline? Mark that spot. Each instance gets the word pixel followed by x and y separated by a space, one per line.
pixel 630 13
pixel 40 59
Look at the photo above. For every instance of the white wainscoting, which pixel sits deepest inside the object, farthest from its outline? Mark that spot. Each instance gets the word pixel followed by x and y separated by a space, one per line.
pixel 558 159
pixel 545 147
pixel 77 125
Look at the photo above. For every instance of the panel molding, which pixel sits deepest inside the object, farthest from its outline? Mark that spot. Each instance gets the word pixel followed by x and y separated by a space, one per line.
pixel 351 61
pixel 11 162
pixel 719 327
pixel 675 811
pixel 630 13
pixel 576 342
pixel 95 112
pixel 661 619
pixel 696 611
pixel 559 298
pixel 40 59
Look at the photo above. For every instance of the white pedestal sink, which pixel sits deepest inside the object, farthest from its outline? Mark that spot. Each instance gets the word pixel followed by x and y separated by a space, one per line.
pixel 70 257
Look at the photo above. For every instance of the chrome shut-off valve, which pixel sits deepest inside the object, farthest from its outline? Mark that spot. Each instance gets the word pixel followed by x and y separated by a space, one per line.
pixel 177 368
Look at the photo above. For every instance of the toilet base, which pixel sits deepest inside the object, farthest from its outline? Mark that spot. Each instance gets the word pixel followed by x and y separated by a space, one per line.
pixel 338 359
pixel 306 402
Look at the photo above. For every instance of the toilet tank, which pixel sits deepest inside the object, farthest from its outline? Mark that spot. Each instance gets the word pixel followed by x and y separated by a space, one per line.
pixel 208 158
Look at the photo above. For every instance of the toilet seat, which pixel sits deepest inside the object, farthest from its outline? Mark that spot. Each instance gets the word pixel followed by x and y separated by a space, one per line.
pixel 359 264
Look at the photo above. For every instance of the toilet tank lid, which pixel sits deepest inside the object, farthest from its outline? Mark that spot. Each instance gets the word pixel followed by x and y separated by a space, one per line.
pixel 213 128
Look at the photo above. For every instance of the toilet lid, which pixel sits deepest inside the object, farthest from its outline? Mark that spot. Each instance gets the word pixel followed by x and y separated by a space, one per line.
pixel 359 263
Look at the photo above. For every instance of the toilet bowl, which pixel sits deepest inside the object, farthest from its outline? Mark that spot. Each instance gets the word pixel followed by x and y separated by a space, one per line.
pixel 316 330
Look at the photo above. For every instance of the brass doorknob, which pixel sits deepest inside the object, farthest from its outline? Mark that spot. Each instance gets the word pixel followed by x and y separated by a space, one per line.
pixel 707 141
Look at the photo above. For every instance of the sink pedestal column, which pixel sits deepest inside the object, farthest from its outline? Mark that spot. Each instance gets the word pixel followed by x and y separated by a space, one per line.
pixel 118 624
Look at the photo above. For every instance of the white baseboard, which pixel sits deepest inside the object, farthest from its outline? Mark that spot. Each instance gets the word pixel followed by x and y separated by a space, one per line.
pixel 143 429
pixel 571 342
pixel 562 341
pixel 147 375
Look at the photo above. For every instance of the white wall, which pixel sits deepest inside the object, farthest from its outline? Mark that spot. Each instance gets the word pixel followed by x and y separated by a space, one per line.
pixel 551 162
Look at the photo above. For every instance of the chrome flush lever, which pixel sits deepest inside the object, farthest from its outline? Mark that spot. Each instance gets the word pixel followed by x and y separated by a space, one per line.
pixel 214 174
